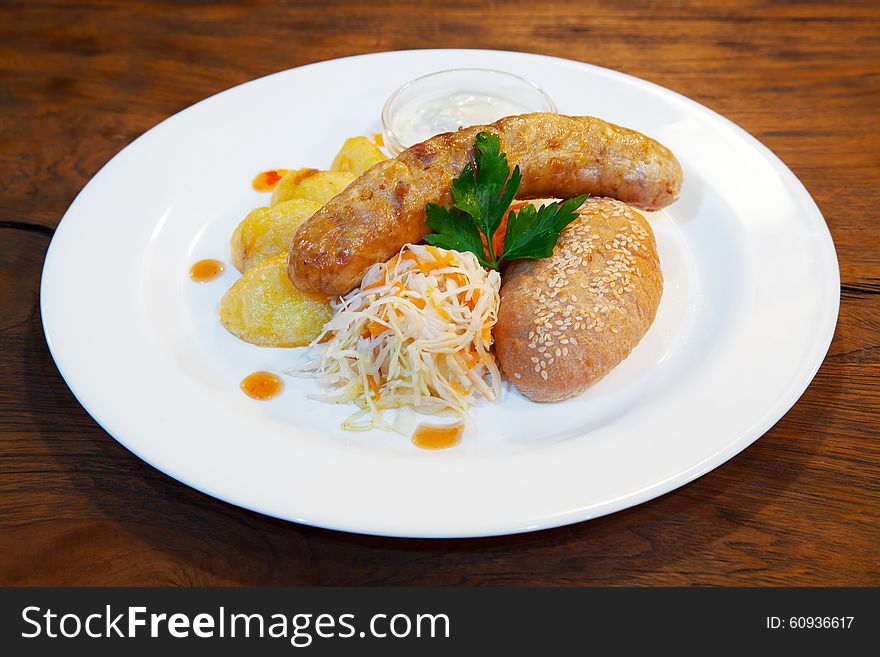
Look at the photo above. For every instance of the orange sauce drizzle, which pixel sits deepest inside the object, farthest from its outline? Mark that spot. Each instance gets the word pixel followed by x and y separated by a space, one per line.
pixel 206 270
pixel 268 180
pixel 262 385
pixel 433 436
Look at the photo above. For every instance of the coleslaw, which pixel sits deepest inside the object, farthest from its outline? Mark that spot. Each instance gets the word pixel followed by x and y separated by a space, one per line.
pixel 417 333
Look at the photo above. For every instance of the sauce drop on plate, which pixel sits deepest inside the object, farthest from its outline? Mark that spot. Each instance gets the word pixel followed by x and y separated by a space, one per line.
pixel 206 270
pixel 262 385
pixel 434 436
pixel 268 180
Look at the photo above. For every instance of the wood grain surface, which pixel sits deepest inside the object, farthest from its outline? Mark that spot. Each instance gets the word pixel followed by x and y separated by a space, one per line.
pixel 80 80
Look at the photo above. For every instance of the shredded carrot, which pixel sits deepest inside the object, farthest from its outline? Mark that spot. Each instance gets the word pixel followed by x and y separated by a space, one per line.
pixel 374 387
pixel 378 283
pixel 459 279
pixel 375 328
pixel 475 297
pixel 439 310
pixel 408 255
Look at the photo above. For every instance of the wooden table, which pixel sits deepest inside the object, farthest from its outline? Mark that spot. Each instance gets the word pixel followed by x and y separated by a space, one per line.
pixel 80 80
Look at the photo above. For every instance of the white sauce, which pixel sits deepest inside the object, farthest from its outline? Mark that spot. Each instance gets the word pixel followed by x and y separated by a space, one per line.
pixel 427 116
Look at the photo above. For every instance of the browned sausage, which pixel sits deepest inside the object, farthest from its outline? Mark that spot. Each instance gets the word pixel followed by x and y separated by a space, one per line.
pixel 558 156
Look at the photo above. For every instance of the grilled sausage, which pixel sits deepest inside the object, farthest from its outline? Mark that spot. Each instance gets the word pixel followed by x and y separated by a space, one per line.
pixel 558 156
pixel 567 320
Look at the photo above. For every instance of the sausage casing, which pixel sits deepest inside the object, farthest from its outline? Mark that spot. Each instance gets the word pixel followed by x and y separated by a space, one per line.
pixel 558 156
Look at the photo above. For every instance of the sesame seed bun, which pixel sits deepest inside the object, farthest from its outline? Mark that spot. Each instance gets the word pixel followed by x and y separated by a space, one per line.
pixel 567 320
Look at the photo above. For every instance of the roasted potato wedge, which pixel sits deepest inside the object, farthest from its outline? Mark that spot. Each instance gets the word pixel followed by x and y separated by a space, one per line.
pixel 357 155
pixel 266 232
pixel 264 308
pixel 312 185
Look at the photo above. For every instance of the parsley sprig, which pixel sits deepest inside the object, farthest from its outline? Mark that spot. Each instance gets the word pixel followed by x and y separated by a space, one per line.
pixel 481 196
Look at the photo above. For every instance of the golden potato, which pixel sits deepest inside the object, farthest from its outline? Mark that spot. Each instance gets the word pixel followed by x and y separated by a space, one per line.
pixel 268 231
pixel 311 184
pixel 264 308
pixel 357 155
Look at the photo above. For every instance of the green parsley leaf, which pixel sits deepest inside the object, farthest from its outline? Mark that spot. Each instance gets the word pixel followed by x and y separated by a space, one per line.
pixel 481 196
pixel 455 230
pixel 532 233
pixel 484 193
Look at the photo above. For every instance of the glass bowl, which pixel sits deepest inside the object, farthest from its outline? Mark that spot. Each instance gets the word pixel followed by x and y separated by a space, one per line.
pixel 456 98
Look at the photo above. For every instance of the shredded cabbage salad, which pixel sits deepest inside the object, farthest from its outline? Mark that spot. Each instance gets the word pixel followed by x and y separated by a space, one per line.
pixel 416 333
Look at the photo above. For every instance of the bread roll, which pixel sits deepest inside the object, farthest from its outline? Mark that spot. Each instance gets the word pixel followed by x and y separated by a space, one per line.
pixel 567 320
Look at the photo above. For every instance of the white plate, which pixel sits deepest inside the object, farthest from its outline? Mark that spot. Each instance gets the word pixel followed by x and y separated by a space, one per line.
pixel 750 305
